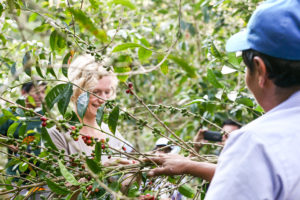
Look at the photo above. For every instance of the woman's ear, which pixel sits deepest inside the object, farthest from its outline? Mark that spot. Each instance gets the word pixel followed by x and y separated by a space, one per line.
pixel 261 71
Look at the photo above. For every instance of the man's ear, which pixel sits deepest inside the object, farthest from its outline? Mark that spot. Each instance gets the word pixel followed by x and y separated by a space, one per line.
pixel 261 71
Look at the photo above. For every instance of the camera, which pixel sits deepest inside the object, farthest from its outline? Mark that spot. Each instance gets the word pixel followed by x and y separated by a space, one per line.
pixel 213 136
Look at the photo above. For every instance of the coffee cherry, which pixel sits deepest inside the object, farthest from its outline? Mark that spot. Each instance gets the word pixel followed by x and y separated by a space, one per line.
pixel 103 146
pixel 89 188
pixel 76 138
pixel 128 91
pixel 96 190
pixel 44 123
pixel 124 148
pixel 109 157
pixel 89 142
pixel 73 128
pixel 43 119
pixel 102 140
pixel 130 85
pixel 83 166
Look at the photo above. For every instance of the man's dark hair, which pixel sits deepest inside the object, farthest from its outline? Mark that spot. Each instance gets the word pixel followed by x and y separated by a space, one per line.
pixel 231 122
pixel 26 87
pixel 284 73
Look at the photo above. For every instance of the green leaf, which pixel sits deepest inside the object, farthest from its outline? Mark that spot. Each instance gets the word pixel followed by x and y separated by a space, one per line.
pixel 1 9
pixel 214 51
pixel 65 99
pixel 212 79
pixel 87 23
pixel 245 101
pixel 68 176
pixel 133 190
pixel 56 94
pixel 233 59
pixel 122 78
pixel 125 46
pixel 115 186
pixel 27 63
pixel 93 166
pixel 47 139
pixel 113 119
pixel 39 71
pixel 82 104
pixel 145 42
pixel 186 191
pixel 61 42
pixel 12 129
pixel 144 54
pixel 125 3
pixel 98 151
pixel 56 188
pixel 259 109
pixel 99 115
pixel 66 61
pixel 164 66
pixel 195 101
pixel 190 70
pixel 9 115
pixel 22 130
pixel 3 39
pixel 50 68
pixel 53 40
pixel 23 167
pixel 31 100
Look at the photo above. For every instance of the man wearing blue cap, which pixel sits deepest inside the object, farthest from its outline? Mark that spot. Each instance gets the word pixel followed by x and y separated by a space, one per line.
pixel 260 160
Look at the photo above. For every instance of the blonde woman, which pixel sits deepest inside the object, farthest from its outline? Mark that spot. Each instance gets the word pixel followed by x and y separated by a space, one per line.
pixel 86 73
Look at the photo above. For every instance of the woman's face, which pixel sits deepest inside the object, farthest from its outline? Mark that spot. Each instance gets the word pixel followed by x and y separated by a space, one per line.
pixel 103 89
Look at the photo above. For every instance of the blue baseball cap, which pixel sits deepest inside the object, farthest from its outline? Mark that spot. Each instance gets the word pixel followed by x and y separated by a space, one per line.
pixel 273 29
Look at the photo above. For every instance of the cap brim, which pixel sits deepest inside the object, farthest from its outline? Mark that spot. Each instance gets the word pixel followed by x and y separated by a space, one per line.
pixel 238 42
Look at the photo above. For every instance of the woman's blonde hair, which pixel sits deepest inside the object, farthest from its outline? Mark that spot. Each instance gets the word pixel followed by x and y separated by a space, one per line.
pixel 85 72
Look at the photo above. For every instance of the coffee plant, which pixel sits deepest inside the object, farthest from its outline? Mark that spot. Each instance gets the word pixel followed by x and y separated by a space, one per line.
pixel 174 74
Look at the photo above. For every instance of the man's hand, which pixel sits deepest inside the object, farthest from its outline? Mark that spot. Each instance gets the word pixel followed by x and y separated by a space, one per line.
pixel 171 164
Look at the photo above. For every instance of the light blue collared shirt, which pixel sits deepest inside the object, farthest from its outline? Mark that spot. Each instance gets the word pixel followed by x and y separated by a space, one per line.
pixel 262 160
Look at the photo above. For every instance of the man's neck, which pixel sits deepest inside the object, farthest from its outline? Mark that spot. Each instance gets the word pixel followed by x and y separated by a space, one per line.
pixel 277 96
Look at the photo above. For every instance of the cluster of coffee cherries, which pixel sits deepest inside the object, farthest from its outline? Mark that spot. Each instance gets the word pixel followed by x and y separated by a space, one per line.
pixel 130 88
pixel 44 121
pixel 75 132
pixel 89 188
pixel 88 140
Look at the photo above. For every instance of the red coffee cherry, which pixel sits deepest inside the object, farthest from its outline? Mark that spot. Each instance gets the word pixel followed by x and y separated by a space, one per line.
pixel 43 119
pixel 44 123
pixel 89 188
pixel 130 85
pixel 89 142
